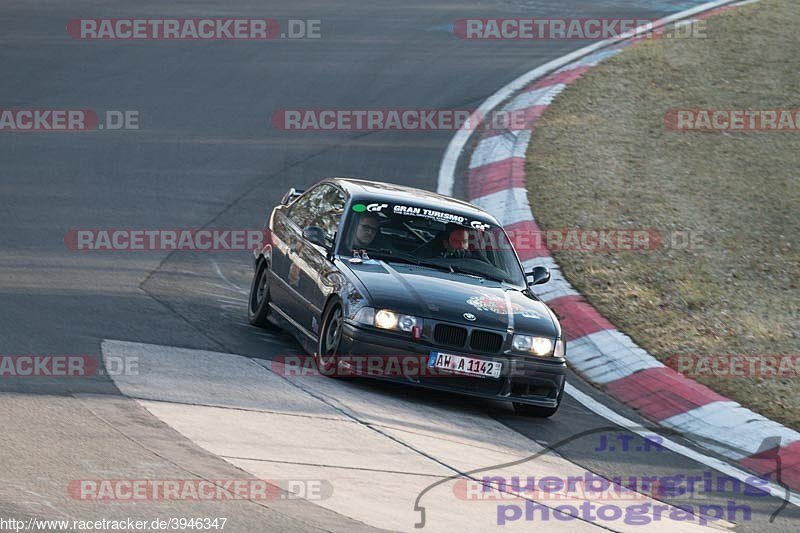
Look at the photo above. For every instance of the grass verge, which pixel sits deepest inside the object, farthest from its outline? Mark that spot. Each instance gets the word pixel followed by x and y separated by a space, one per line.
pixel 601 157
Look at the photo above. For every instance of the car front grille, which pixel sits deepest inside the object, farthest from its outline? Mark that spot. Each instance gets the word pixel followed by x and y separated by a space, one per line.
pixel 485 341
pixel 448 335
pixel 479 340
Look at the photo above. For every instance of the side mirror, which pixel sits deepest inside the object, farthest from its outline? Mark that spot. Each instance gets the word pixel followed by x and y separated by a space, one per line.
pixel 538 275
pixel 315 235
pixel 291 195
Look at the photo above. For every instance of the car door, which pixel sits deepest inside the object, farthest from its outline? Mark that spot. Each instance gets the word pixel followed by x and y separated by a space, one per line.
pixel 287 243
pixel 314 268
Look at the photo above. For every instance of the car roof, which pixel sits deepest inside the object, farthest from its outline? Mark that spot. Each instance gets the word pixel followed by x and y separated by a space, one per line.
pixel 366 190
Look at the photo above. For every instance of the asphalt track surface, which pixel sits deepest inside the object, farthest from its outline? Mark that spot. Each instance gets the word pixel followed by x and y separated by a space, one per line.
pixel 206 154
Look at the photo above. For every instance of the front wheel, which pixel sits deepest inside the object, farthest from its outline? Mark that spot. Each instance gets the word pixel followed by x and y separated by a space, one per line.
pixel 330 339
pixel 258 301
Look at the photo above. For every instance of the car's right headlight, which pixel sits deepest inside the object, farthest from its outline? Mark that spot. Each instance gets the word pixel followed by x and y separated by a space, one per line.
pixel 541 346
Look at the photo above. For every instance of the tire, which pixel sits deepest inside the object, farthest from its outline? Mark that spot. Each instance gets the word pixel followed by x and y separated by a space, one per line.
pixel 330 339
pixel 258 301
pixel 523 409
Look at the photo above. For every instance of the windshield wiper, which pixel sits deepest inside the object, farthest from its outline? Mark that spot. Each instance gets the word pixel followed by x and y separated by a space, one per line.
pixel 448 268
pixel 389 256
pixel 477 274
pixel 392 255
pixel 392 259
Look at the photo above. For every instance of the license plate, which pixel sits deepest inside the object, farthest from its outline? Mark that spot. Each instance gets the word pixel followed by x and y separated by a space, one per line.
pixel 459 364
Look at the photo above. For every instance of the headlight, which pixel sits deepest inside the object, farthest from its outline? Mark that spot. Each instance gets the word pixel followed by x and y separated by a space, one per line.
pixel 540 346
pixel 407 322
pixel 385 319
pixel 365 315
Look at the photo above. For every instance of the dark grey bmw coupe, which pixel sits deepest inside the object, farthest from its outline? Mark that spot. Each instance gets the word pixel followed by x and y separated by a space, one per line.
pixel 369 275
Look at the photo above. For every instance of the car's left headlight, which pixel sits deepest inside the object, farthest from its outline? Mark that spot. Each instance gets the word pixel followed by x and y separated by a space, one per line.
pixel 541 346
pixel 386 319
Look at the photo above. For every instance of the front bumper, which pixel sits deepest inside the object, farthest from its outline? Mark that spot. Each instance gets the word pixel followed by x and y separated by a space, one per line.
pixel 525 380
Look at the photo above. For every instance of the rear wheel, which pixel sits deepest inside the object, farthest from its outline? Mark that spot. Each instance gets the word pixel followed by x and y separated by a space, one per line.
pixel 258 301
pixel 330 339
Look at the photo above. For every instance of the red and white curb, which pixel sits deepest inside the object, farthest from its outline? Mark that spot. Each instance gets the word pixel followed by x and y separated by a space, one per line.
pixel 596 349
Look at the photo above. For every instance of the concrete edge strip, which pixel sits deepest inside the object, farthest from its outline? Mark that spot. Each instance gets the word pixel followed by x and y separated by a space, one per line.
pixel 598 351
pixel 123 348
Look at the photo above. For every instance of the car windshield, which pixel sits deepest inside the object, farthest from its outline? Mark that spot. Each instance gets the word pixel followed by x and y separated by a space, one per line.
pixel 432 238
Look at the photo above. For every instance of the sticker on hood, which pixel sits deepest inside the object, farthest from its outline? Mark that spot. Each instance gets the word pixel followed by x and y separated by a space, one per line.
pixel 495 304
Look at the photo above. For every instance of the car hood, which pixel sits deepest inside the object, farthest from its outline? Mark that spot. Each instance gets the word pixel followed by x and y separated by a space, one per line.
pixel 446 296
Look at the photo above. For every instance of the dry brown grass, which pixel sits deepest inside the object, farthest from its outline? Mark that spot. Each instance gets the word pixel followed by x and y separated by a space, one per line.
pixel 602 158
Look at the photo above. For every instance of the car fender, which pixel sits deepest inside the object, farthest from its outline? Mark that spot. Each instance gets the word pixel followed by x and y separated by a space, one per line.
pixel 264 253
